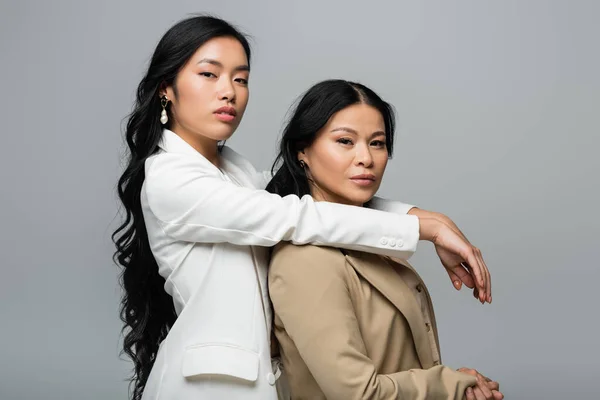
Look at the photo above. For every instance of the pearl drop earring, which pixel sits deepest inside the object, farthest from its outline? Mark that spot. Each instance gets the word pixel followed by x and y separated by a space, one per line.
pixel 164 118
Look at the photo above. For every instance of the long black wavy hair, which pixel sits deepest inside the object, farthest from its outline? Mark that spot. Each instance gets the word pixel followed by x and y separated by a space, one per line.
pixel 146 309
pixel 315 107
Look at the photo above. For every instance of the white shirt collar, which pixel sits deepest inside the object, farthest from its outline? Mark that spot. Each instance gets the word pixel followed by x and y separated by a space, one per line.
pixel 171 142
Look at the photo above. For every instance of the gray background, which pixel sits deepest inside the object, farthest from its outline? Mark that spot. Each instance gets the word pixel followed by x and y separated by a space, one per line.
pixel 498 127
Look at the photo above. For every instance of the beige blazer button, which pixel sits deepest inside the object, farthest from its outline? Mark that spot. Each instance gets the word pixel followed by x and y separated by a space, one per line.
pixel 419 288
pixel 428 326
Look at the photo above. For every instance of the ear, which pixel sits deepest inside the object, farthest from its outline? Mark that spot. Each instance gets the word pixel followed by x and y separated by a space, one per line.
pixel 302 156
pixel 165 90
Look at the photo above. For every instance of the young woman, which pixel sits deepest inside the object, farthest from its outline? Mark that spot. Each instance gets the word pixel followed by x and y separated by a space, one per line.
pixel 352 325
pixel 193 245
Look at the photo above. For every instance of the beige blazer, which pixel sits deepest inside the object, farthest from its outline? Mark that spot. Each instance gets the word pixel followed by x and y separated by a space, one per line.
pixel 352 325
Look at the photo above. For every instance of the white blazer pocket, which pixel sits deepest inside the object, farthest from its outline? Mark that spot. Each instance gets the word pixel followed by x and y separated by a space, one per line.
pixel 220 359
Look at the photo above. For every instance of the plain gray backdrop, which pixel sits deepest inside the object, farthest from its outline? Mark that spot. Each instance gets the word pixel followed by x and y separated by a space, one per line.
pixel 498 106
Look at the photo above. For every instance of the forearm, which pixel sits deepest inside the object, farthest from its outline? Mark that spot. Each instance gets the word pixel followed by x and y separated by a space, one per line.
pixel 436 216
pixel 438 382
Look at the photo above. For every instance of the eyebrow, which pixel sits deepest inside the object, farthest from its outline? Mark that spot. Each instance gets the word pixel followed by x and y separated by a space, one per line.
pixel 350 130
pixel 216 63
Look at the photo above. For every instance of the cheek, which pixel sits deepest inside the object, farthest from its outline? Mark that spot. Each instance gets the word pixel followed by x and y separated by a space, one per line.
pixel 381 163
pixel 332 160
pixel 243 96
pixel 194 94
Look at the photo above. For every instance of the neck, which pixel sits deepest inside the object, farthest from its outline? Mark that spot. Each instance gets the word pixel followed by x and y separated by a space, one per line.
pixel 203 145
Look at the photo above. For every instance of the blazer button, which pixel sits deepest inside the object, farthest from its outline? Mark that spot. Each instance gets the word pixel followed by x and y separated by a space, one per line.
pixel 436 363
pixel 428 326
pixel 419 288
pixel 271 379
pixel 384 241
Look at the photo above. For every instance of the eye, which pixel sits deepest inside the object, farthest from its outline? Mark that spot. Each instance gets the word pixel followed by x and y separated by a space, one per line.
pixel 242 81
pixel 344 141
pixel 207 74
pixel 378 143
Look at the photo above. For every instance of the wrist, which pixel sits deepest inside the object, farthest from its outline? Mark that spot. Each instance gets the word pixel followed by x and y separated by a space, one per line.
pixel 440 217
pixel 419 212
pixel 428 228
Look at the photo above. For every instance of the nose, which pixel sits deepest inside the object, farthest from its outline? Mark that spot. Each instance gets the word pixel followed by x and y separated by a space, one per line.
pixel 363 156
pixel 225 90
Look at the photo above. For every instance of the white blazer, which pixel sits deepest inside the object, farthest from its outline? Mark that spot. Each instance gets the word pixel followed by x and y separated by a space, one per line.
pixel 209 230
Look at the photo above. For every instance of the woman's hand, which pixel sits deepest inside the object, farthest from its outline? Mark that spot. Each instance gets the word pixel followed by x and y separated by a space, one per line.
pixel 463 261
pixel 452 261
pixel 486 389
pixel 460 272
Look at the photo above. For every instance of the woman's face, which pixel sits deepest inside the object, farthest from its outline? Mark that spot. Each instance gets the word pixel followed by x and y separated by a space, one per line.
pixel 347 159
pixel 210 93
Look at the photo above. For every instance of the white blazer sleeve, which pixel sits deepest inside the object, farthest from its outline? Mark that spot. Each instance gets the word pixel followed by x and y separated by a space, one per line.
pixel 262 178
pixel 193 203
pixel 378 203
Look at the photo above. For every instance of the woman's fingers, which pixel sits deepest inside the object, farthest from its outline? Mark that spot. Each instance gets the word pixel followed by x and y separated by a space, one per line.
pixel 493 385
pixel 489 275
pixel 456 280
pixel 478 266
pixel 469 393
pixel 483 387
pixel 479 394
pixel 463 275
pixel 478 272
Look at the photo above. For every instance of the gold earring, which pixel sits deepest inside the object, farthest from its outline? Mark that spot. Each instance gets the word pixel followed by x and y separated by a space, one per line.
pixel 164 118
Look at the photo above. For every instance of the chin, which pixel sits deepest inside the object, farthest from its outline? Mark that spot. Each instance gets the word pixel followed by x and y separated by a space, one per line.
pixel 358 200
pixel 221 134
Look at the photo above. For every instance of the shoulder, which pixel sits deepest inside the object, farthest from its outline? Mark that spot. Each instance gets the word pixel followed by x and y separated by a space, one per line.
pixel 287 251
pixel 167 171
pixel 174 181
pixel 164 163
pixel 299 261
pixel 237 159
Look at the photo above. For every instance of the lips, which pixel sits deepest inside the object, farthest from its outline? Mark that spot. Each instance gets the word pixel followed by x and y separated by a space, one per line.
pixel 367 177
pixel 227 111
pixel 225 114
pixel 363 180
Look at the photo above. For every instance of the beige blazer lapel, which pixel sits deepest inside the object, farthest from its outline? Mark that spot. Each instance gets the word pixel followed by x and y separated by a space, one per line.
pixel 404 264
pixel 383 277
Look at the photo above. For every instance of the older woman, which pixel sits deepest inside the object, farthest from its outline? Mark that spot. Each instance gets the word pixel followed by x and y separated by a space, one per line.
pixel 352 325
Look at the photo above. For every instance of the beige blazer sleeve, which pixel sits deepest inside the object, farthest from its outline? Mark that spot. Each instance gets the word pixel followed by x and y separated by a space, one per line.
pixel 312 299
